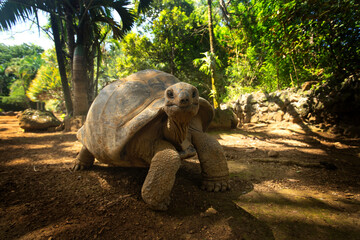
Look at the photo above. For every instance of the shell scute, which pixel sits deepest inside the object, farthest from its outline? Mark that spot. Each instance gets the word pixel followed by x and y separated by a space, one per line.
pixel 120 110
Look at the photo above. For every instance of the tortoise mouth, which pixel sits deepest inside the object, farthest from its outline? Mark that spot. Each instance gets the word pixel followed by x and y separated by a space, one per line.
pixel 188 106
pixel 183 112
pixel 183 107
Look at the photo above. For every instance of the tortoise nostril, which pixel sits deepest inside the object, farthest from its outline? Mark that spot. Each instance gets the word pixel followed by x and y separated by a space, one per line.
pixel 184 101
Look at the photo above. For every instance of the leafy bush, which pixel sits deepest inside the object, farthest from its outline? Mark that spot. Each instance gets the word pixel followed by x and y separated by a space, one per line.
pixel 14 103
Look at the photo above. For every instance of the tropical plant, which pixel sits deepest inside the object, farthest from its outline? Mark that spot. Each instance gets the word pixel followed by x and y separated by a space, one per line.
pixel 10 56
pixel 46 85
pixel 177 34
pixel 207 65
pixel 20 72
pixel 77 24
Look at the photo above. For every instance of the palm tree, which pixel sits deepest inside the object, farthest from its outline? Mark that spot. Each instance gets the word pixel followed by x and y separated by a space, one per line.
pixel 12 12
pixel 70 20
pixel 89 15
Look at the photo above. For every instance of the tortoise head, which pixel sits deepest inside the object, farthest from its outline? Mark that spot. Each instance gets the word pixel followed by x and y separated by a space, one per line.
pixel 181 102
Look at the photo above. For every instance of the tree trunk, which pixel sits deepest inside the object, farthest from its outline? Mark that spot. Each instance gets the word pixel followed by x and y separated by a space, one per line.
pixel 70 33
pixel 80 67
pixel 61 63
pixel 212 54
pixel 90 70
pixel 277 76
pixel 296 75
pixel 80 80
pixel 98 62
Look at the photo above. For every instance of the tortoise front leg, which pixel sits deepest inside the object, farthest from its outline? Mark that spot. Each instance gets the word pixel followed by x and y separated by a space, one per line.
pixel 83 160
pixel 161 176
pixel 213 163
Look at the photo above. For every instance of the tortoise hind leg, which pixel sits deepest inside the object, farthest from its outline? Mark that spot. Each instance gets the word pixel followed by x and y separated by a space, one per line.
pixel 161 176
pixel 83 160
pixel 213 163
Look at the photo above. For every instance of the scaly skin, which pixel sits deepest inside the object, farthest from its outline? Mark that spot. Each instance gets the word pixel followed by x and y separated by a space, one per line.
pixel 83 160
pixel 163 144
pixel 213 163
pixel 161 176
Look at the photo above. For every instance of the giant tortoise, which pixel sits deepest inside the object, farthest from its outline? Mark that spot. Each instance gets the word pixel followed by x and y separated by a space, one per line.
pixel 151 119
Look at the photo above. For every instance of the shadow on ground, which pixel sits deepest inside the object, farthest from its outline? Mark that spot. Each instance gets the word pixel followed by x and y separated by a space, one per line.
pixel 271 198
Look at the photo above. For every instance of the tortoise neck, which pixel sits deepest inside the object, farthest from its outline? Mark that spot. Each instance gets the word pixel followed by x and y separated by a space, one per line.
pixel 175 132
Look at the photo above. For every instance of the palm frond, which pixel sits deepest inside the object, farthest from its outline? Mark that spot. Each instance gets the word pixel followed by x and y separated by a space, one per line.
pixel 127 17
pixel 122 7
pixel 144 5
pixel 12 13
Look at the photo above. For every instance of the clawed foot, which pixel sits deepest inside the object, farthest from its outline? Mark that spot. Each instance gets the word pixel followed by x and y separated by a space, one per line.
pixel 163 206
pixel 215 186
pixel 79 166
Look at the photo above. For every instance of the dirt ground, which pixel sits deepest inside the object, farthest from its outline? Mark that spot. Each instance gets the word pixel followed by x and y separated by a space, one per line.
pixel 308 189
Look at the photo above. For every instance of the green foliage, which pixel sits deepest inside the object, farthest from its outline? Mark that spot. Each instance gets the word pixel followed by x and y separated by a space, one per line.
pixel 17 51
pixel 173 35
pixel 24 69
pixel 15 61
pixel 14 103
pixel 55 105
pixel 204 64
pixel 47 83
pixel 17 99
pixel 19 65
pixel 259 45
pixel 280 44
pixel 134 55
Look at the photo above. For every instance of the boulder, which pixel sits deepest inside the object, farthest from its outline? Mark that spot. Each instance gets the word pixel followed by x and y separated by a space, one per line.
pixel 9 113
pixel 302 107
pixel 34 120
pixel 273 154
pixel 224 119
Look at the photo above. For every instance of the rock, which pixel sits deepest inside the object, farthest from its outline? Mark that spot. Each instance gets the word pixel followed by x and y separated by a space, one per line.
pixel 224 119
pixel 248 108
pixel 293 98
pixel 254 119
pixel 10 113
pixel 247 118
pixel 311 118
pixel 251 150
pixel 278 116
pixel 273 107
pixel 273 154
pixel 329 104
pixel 263 117
pixel 259 97
pixel 291 118
pixel 264 109
pixel 33 120
pixel 302 107
pixel 209 212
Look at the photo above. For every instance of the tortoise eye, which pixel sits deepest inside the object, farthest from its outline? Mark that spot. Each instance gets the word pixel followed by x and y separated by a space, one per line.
pixel 194 93
pixel 170 94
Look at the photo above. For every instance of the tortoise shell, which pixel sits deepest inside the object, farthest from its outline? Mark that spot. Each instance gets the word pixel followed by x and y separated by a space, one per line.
pixel 124 107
